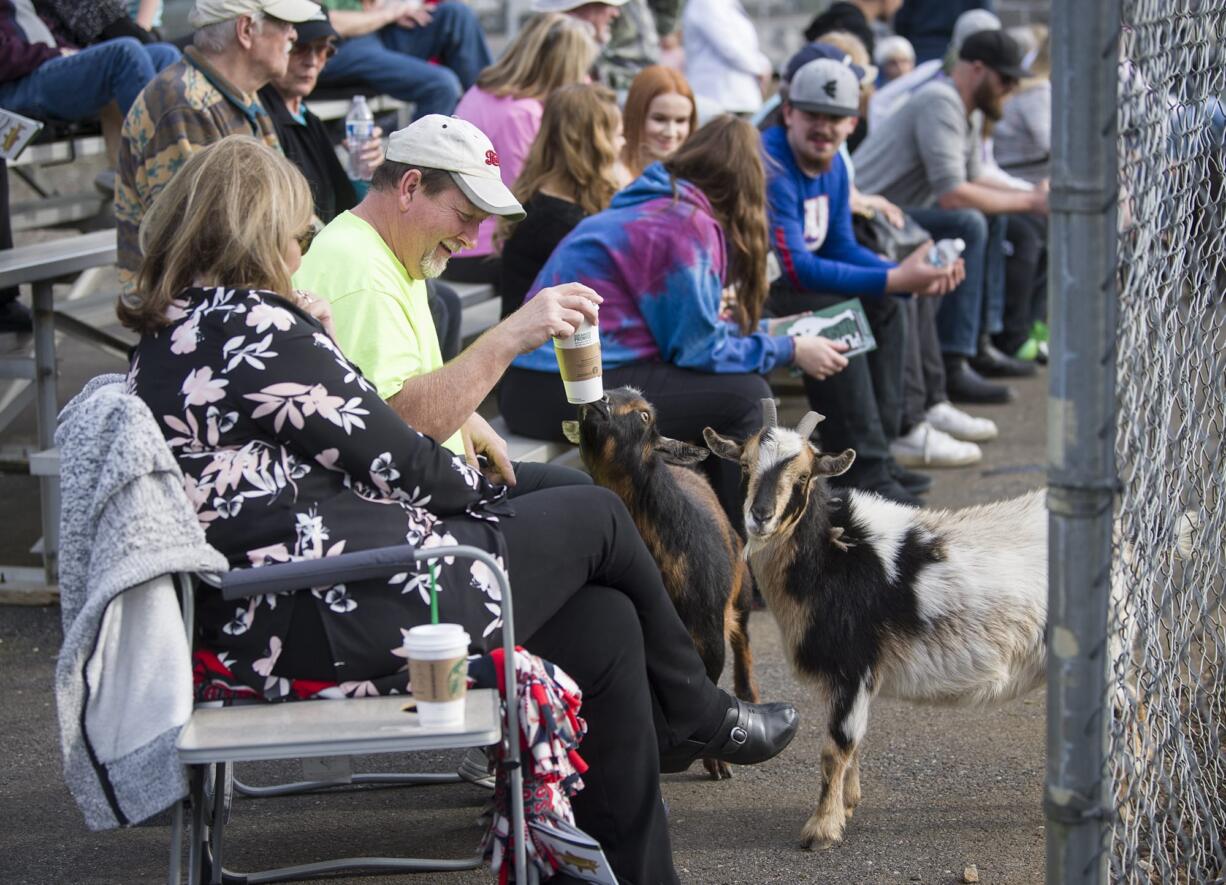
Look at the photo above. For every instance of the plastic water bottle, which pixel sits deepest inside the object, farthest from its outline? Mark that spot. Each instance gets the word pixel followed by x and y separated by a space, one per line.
pixel 359 130
pixel 945 252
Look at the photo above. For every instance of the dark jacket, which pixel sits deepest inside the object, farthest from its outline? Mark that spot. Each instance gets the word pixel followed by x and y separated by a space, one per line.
pixel 308 147
pixel 18 56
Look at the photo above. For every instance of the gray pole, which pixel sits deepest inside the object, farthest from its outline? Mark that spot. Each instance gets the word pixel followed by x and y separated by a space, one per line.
pixel 1081 432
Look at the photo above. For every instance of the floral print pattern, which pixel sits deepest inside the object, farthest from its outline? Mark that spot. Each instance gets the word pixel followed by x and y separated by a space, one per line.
pixel 288 453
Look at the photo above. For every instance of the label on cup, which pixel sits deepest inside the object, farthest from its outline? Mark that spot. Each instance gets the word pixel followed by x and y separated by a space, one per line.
pixel 579 363
pixel 579 355
pixel 438 681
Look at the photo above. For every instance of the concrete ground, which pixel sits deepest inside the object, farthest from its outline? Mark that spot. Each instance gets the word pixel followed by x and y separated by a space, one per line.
pixel 943 788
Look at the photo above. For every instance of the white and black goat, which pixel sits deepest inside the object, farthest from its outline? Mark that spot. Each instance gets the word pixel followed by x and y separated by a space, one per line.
pixel 680 519
pixel 874 597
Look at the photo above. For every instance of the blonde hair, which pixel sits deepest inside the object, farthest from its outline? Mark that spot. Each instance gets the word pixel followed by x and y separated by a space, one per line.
pixel 224 219
pixel 648 84
pixel 552 50
pixel 852 46
pixel 574 153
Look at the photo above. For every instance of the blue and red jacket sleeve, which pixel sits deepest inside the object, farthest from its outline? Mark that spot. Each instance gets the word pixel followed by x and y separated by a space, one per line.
pixel 840 266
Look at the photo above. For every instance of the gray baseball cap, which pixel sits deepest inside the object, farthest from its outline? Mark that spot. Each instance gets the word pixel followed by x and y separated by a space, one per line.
pixel 825 86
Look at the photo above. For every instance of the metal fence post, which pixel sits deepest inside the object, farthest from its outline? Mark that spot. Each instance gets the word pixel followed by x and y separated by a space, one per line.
pixel 1081 432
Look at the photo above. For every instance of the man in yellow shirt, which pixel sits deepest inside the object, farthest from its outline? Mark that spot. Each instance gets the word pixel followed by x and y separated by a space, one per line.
pixel 439 180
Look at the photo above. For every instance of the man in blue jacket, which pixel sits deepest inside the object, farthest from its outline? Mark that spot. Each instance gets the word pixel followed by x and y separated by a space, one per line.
pixel 820 264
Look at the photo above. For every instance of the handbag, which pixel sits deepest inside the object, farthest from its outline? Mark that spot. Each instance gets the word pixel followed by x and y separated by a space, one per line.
pixel 892 243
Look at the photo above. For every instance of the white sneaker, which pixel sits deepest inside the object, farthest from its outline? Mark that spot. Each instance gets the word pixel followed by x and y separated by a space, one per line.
pixel 925 446
pixel 955 422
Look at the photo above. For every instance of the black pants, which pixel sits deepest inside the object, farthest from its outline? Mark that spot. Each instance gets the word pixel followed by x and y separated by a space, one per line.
pixel 589 597
pixel 1025 279
pixel 474 269
pixel 924 373
pixel 862 403
pixel 532 476
pixel 445 310
pixel 6 231
pixel 535 405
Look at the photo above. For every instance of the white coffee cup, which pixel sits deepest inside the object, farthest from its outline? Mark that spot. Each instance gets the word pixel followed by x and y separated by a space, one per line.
pixel 579 362
pixel 438 672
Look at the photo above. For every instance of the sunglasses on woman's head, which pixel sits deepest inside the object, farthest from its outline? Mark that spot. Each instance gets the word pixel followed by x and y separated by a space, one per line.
pixel 305 239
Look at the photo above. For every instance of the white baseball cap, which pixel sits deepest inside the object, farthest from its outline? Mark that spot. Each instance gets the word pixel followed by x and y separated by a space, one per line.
pixel 436 141
pixel 568 5
pixel 210 12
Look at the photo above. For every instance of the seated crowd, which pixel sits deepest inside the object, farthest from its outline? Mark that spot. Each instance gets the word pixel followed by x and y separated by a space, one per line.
pixel 292 314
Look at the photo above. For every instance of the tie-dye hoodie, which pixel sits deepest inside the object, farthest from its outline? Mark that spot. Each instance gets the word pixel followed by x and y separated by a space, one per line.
pixel 657 256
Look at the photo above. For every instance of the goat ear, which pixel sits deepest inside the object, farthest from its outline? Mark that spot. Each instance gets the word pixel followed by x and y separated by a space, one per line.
pixel 835 465
pixel 570 430
pixel 721 445
pixel 673 451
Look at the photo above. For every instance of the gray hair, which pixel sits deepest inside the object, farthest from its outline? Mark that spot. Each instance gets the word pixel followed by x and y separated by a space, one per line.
pixel 220 36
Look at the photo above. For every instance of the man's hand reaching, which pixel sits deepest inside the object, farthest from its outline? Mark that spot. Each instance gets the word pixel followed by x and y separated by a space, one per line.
pixel 481 439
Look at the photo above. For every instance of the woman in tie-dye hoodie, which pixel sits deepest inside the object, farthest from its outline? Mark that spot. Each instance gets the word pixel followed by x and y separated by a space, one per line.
pixel 662 256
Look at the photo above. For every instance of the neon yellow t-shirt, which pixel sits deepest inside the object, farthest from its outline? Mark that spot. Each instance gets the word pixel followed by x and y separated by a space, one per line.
pixel 381 314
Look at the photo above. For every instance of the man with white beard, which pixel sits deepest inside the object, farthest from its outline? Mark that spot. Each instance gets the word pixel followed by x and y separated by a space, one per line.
pixel 438 182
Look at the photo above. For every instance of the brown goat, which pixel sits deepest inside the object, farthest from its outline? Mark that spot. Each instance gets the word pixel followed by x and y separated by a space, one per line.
pixel 679 517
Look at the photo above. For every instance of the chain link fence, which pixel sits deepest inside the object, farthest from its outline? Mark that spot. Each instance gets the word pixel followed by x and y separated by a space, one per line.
pixel 1136 782
pixel 1167 682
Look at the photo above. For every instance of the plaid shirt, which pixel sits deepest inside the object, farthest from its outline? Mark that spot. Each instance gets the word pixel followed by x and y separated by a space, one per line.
pixel 187 106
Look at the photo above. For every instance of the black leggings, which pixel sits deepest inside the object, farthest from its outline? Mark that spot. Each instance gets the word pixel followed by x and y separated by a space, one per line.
pixel 588 596
pixel 535 405
pixel 620 803
pixel 562 540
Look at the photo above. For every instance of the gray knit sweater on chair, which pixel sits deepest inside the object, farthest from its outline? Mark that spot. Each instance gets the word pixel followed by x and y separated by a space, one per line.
pixel 123 680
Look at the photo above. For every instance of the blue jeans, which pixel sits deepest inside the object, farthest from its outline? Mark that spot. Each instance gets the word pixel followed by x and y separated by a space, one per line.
pixel 78 86
pixel 978 304
pixel 394 60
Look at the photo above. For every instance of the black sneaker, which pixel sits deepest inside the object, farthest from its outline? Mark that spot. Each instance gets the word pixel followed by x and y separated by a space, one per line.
pixel 991 362
pixel 914 482
pixel 964 385
pixel 15 317
pixel 893 491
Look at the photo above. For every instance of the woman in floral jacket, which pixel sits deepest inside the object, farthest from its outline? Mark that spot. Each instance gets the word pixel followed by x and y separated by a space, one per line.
pixel 287 453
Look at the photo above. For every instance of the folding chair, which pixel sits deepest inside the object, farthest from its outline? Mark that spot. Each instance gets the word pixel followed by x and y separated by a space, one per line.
pixel 219 737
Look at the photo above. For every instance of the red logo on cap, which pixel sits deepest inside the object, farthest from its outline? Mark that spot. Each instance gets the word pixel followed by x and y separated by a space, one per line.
pixel 491 158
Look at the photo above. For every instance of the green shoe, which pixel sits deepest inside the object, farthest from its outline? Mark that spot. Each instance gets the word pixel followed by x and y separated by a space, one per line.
pixel 1029 352
pixel 1040 332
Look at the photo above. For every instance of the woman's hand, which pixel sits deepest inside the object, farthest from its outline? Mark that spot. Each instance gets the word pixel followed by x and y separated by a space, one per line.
pixel 316 307
pixel 819 357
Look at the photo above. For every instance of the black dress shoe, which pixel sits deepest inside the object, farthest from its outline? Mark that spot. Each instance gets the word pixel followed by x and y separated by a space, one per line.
pixel 964 385
pixel 15 317
pixel 913 481
pixel 993 363
pixel 894 491
pixel 749 734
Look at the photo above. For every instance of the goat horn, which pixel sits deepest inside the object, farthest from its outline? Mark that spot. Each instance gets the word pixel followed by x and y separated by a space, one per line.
pixel 808 424
pixel 770 417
